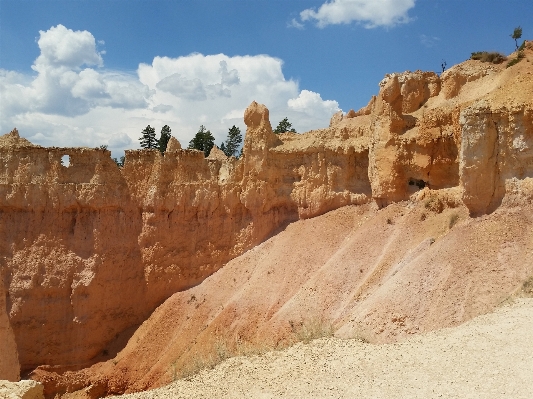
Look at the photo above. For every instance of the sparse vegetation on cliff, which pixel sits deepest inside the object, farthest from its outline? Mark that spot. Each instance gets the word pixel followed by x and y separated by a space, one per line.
pixel 147 139
pixel 164 138
pixel 203 141
pixel 220 351
pixel 311 329
pixel 305 331
pixel 234 140
pixel 519 56
pixel 517 34
pixel 485 56
pixel 284 126
pixel 454 218
pixel 527 287
pixel 120 161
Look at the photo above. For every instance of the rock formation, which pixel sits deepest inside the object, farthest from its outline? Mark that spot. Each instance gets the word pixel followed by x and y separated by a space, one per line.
pixel 9 362
pixel 381 275
pixel 21 390
pixel 89 250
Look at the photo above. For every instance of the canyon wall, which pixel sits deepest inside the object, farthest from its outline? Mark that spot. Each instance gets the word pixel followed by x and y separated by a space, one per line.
pixel 89 250
pixel 9 363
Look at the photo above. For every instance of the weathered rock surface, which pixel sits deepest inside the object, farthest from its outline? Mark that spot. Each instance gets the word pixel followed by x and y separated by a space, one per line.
pixel 88 251
pixel 487 357
pixel 382 275
pixel 173 145
pixel 9 362
pixel 26 389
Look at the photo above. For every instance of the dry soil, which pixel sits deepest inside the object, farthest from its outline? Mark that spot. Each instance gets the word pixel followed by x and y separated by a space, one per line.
pixel 487 357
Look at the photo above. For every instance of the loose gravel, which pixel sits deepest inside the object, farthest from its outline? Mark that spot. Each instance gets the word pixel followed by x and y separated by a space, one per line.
pixel 487 357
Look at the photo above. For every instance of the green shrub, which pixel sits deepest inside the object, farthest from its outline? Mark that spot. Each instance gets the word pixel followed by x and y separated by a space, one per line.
pixel 527 287
pixel 485 56
pixel 454 218
pixel 304 331
pixel 311 329
pixel 516 60
pixel 220 351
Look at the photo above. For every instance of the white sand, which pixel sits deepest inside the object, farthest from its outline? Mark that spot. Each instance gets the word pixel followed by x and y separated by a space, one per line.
pixel 488 357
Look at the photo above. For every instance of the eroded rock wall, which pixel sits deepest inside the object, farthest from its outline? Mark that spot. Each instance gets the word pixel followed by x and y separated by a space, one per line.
pixel 9 362
pixel 88 251
pixel 496 150
pixel 413 146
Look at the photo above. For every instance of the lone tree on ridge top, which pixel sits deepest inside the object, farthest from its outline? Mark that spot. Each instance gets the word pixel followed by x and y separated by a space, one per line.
pixel 148 140
pixel 517 34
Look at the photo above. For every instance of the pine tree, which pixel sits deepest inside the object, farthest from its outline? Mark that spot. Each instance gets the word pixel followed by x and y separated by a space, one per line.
pixel 120 163
pixel 203 141
pixel 284 126
pixel 148 140
pixel 233 142
pixel 163 140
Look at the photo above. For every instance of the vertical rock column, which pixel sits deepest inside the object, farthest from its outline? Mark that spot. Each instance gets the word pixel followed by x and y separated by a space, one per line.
pixel 384 171
pixel 478 158
pixel 9 362
pixel 257 194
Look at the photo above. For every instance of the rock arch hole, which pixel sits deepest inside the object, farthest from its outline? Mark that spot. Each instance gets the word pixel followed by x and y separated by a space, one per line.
pixel 65 160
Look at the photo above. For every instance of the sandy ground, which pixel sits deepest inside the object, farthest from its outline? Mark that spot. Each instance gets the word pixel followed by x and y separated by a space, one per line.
pixel 487 357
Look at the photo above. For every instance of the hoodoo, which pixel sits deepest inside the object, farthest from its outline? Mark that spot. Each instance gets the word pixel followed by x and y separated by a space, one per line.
pixel 104 266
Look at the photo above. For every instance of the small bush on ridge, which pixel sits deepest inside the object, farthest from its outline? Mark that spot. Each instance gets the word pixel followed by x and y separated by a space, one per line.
pixel 516 60
pixel 485 56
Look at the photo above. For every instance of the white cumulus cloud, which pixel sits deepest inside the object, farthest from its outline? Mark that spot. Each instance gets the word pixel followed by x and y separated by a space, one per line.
pixel 73 100
pixel 371 13
pixel 61 86
pixel 162 108
pixel 312 104
pixel 64 47
pixel 294 23
pixel 189 89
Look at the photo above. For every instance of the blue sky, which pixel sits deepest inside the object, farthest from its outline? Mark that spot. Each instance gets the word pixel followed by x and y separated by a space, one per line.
pixel 85 73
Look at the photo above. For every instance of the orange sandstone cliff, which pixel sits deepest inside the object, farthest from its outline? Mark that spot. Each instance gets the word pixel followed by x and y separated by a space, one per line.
pixel 9 363
pixel 89 251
